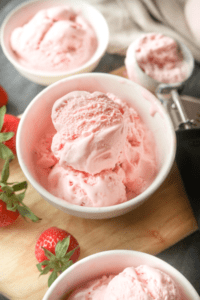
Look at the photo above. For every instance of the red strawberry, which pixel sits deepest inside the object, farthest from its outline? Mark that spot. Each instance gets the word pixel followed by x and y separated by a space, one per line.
pixel 56 250
pixel 10 124
pixel 7 217
pixel 11 194
pixel 3 97
pixel 11 203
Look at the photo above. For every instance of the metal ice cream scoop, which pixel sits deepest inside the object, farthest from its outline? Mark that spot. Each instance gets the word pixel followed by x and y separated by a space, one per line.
pixel 168 94
pixel 187 133
pixel 187 130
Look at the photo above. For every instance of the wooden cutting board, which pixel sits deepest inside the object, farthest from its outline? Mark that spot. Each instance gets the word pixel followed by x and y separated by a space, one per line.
pixel 163 220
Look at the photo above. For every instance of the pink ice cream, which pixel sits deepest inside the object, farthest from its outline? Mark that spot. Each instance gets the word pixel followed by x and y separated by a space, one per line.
pixel 102 153
pixel 141 283
pixel 158 56
pixel 55 39
pixel 91 131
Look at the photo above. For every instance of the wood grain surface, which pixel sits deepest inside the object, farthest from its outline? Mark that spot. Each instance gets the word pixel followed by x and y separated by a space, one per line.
pixel 163 220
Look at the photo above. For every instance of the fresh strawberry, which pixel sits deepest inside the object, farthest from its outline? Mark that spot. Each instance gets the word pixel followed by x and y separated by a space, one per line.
pixel 7 217
pixel 3 97
pixel 11 193
pixel 10 124
pixel 11 199
pixel 56 250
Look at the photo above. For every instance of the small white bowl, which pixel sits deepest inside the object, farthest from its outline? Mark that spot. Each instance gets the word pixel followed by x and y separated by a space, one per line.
pixel 136 74
pixel 24 12
pixel 37 118
pixel 113 262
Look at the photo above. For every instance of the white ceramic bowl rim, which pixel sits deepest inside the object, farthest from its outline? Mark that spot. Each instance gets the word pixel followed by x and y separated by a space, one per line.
pixel 178 277
pixel 98 53
pixel 83 209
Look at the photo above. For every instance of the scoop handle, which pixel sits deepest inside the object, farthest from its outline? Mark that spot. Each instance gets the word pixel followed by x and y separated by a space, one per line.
pixel 186 123
pixel 188 162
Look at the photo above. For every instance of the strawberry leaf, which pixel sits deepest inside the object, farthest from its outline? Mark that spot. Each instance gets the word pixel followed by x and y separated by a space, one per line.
pixel 5 171
pixel 43 263
pixel 52 278
pixel 7 189
pixel 59 262
pixel 62 247
pixel 10 200
pixel 48 254
pixel 66 265
pixel 45 270
pixel 19 186
pixel 26 212
pixel 5 152
pixel 10 206
pixel 5 136
pixel 2 113
pixel 4 197
pixel 21 196
pixel 13 201
pixel 69 254
pixel 2 184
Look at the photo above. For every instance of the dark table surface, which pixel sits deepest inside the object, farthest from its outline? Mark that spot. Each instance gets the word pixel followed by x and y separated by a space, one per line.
pixel 185 255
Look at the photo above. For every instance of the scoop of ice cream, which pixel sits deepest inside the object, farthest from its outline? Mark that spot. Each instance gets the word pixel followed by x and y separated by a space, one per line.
pixel 104 154
pixel 141 283
pixel 159 57
pixel 45 157
pixel 94 289
pixel 91 131
pixel 83 189
pixel 140 156
pixel 55 39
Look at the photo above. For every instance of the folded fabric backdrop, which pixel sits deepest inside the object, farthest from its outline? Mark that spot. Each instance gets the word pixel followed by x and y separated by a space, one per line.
pixel 128 19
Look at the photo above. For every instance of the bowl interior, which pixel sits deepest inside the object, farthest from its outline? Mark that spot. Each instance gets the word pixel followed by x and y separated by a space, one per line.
pixel 37 119
pixel 113 262
pixel 23 13
pixel 143 78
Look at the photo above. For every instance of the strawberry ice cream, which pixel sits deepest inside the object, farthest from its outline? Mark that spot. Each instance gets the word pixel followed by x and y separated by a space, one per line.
pixel 55 39
pixel 158 56
pixel 101 152
pixel 140 283
pixel 94 125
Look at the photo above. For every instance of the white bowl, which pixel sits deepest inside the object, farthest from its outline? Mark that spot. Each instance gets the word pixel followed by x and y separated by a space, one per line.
pixel 136 74
pixel 37 117
pixel 23 13
pixel 113 262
